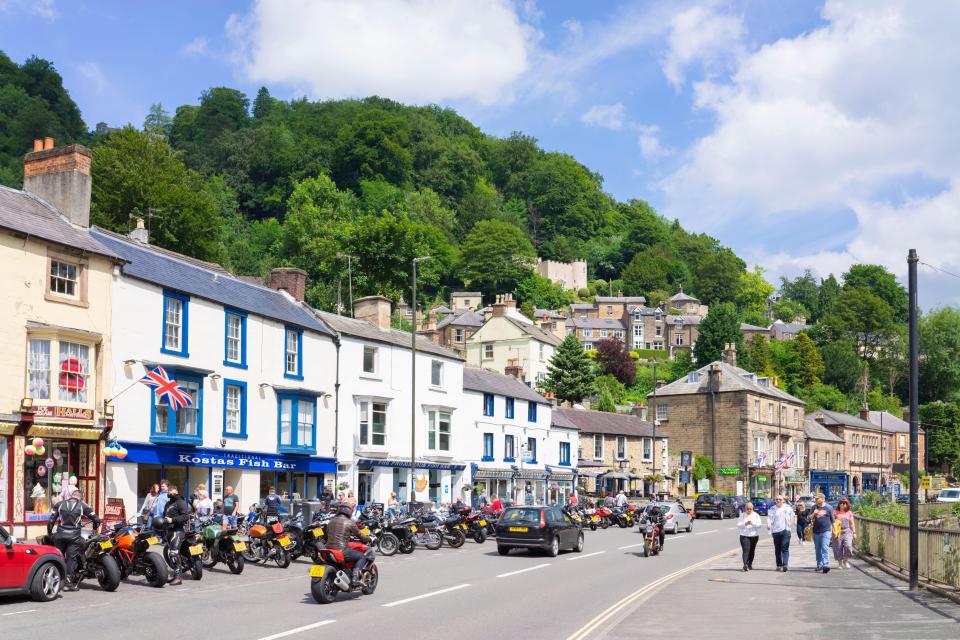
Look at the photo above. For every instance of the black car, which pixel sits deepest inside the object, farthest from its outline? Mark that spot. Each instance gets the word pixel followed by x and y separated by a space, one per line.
pixel 714 505
pixel 545 528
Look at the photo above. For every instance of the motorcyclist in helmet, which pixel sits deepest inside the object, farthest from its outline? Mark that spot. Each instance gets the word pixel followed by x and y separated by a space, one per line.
pixel 175 516
pixel 338 532
pixel 68 514
pixel 654 513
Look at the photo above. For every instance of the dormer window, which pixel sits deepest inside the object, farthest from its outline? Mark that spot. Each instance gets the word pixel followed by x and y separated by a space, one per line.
pixel 693 376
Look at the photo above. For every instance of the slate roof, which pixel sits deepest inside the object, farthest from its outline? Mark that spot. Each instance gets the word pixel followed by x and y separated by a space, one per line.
pixel 598 323
pixel 580 306
pixel 484 381
pixel 680 296
pixel 687 320
pixel 645 311
pixel 464 294
pixel 838 419
pixel 534 331
pixel 731 379
pixel 561 421
pixel 23 212
pixel 196 278
pixel 789 327
pixel 366 331
pixel 462 318
pixel 621 299
pixel 442 309
pixel 891 422
pixel 817 431
pixel 548 313
pixel 751 327
pixel 619 424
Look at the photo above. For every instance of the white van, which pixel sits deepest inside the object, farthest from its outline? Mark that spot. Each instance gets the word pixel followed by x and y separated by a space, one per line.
pixel 949 495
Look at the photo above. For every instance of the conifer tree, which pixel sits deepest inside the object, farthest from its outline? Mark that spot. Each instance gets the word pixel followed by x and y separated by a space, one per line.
pixel 570 374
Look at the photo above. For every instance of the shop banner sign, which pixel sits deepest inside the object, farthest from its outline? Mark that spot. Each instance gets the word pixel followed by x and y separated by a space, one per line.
pixel 67 413
pixel 200 457
pixel 686 458
pixel 729 471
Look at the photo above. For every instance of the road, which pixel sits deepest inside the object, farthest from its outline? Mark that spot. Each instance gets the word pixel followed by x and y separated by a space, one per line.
pixel 465 593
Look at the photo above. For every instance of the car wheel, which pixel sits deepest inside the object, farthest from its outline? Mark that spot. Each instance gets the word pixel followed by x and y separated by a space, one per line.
pixel 502 550
pixel 579 546
pixel 46 583
pixel 554 548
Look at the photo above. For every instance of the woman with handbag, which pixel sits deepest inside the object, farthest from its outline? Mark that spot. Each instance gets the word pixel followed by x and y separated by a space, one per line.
pixel 844 532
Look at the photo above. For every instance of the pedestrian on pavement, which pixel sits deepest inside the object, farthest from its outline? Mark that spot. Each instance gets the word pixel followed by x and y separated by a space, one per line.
pixel 393 507
pixel 843 544
pixel 196 492
pixel 574 500
pixel 780 521
pixel 149 502
pixel 496 505
pixel 351 500
pixel 621 500
pixel 822 532
pixel 326 495
pixel 803 519
pixel 749 526
pixel 271 503
pixel 231 505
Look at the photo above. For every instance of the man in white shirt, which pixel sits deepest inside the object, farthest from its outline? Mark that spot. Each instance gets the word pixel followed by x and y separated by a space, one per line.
pixel 780 522
pixel 621 500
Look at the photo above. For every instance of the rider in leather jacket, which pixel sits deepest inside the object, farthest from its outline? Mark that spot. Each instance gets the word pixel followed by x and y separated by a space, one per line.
pixel 338 532
pixel 175 516
pixel 653 513
pixel 68 514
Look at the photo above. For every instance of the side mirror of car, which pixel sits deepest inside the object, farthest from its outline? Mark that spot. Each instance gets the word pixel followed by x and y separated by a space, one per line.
pixel 8 543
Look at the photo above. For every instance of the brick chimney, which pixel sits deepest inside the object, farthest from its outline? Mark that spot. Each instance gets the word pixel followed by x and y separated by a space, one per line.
pixel 140 233
pixel 730 354
pixel 61 177
pixel 373 309
pixel 500 307
pixel 291 280
pixel 661 384
pixel 865 413
pixel 508 300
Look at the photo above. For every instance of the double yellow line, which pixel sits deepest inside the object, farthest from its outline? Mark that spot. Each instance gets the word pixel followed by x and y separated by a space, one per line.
pixel 585 631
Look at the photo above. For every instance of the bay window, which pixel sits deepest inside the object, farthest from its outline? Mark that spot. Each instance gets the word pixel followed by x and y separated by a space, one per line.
pixel 297 417
pixel 184 425
pixel 59 370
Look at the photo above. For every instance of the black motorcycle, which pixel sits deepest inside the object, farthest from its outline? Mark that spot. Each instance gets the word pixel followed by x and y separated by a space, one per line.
pixel 95 560
pixel 452 530
pixel 189 553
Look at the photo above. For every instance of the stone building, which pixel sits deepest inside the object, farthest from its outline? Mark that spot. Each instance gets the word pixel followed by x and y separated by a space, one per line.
pixel 824 464
pixel 899 429
pixel 465 301
pixel 863 442
pixel 570 275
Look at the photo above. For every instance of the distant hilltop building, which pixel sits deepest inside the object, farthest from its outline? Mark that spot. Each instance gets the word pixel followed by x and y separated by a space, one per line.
pixel 570 275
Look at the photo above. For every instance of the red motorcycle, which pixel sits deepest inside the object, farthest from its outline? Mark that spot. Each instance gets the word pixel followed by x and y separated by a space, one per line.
pixel 331 574
pixel 602 517
pixel 651 539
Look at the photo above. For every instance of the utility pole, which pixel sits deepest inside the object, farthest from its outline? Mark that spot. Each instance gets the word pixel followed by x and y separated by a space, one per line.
pixel 653 449
pixel 413 379
pixel 912 260
pixel 350 260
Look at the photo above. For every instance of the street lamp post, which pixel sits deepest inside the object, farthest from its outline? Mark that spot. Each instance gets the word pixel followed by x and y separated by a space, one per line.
pixel 653 448
pixel 413 380
pixel 350 260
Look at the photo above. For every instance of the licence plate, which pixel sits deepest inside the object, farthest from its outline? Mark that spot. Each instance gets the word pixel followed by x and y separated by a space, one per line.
pixel 365 531
pixel 595 518
pixel 153 540
pixel 196 549
pixel 483 523
pixel 413 528
pixel 462 526
pixel 284 540
pixel 518 529
pixel 316 571
pixel 239 546
pixel 317 533
pixel 106 545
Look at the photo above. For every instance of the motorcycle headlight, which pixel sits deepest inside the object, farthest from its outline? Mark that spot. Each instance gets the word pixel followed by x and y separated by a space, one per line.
pixel 649 528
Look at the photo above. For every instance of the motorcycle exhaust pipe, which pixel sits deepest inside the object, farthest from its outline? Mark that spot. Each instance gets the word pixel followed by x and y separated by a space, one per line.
pixel 342 580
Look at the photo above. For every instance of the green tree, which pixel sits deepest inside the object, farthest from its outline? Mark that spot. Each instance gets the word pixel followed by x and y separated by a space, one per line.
pixel 158 121
pixel 802 290
pixel 527 309
pixel 939 333
pixel 221 109
pixel 496 256
pixel 542 293
pixel 682 364
pixel 718 276
pixel 703 467
pixel 788 310
pixel 373 146
pixel 881 283
pixel 652 269
pixel 570 374
pixel 829 291
pixel 760 356
pixel 862 316
pixel 752 293
pixel 719 328
pixel 605 402
pixel 263 104
pixel 842 365
pixel 810 363
pixel 941 424
pixel 823 396
pixel 608 383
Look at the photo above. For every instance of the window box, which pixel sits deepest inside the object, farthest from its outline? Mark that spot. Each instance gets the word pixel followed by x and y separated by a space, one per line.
pixel 234 339
pixel 296 423
pixel 175 329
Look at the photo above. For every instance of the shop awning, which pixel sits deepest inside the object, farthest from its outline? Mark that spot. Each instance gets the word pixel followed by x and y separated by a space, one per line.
pixel 405 464
pixel 614 475
pixel 492 474
pixel 583 473
pixel 531 474
pixel 7 428
pixel 562 473
pixel 634 476
pixel 57 431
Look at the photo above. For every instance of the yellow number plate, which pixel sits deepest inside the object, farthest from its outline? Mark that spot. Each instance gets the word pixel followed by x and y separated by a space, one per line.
pixel 365 531
pixel 483 523
pixel 239 546
pixel 316 571
pixel 196 549
pixel 595 518
pixel 518 529
pixel 413 528
pixel 317 533
pixel 283 540
pixel 462 526
pixel 153 540
pixel 106 544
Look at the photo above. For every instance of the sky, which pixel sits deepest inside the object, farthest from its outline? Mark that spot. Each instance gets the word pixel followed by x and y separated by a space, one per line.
pixel 804 135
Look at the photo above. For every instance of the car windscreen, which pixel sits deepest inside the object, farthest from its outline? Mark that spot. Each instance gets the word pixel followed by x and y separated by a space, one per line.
pixel 950 493
pixel 521 516
pixel 708 498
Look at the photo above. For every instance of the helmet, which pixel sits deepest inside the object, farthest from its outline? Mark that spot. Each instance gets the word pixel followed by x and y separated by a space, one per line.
pixel 344 509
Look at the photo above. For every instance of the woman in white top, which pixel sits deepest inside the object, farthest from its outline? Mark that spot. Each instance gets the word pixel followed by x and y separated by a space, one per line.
pixel 749 526
pixel 203 505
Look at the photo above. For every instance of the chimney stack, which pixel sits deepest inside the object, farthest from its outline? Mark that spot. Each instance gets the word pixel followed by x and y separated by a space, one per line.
pixel 499 306
pixel 291 280
pixel 661 384
pixel 730 354
pixel 865 412
pixel 140 233
pixel 508 300
pixel 61 177
pixel 373 309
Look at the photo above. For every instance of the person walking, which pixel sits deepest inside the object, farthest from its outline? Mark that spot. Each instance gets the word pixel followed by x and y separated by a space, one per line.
pixel 149 502
pixel 231 505
pixel 780 522
pixel 749 526
pixel 822 532
pixel 843 544
pixel 803 519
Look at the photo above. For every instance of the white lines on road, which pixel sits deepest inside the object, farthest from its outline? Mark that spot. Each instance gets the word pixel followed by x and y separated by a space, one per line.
pixel 587 555
pixel 631 546
pixel 307 627
pixel 513 573
pixel 421 597
pixel 703 533
pixel 731 528
pixel 16 613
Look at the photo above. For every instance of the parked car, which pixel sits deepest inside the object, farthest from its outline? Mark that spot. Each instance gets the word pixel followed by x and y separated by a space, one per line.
pixel 739 501
pixel 714 505
pixel 807 501
pixel 678 518
pixel 949 495
pixel 546 528
pixel 36 570
pixel 761 504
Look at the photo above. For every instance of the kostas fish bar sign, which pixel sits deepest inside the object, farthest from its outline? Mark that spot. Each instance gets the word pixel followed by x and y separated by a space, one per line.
pixel 235 460
pixel 144 453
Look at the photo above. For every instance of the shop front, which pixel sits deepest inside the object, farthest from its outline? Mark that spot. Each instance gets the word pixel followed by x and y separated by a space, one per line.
pixel 529 486
pixel 761 482
pixel 795 484
pixel 250 474
pixel 437 482
pixel 871 481
pixel 612 482
pixel 493 482
pixel 560 485
pixel 830 483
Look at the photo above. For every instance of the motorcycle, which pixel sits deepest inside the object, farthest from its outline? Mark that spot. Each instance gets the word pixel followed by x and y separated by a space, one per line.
pixel 221 544
pixel 427 533
pixel 452 530
pixel 651 539
pixel 131 550
pixel 331 574
pixel 622 518
pixel 293 527
pixel 387 543
pixel 602 518
pixel 95 560
pixel 268 542
pixel 189 553
pixel 476 524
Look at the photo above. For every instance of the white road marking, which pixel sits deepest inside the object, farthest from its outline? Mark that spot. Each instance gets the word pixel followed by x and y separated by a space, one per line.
pixel 283 634
pixel 15 613
pixel 703 533
pixel 631 546
pixel 731 528
pixel 587 555
pixel 420 597
pixel 513 573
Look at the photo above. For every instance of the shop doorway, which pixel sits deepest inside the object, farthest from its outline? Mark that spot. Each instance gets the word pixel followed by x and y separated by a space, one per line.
pixel 435 487
pixel 401 482
pixel 364 482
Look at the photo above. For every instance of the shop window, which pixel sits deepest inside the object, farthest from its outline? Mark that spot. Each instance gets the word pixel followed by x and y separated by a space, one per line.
pixel 487 447
pixel 74 465
pixel 235 340
pixel 509 409
pixel 438 431
pixel 297 428
pixel 565 454
pixel 185 425
pixel 176 324
pixel 71 378
pixel 293 353
pixel 531 411
pixel 373 424
pixel 234 409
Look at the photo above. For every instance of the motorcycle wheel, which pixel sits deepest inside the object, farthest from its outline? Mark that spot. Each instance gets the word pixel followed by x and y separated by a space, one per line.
pixel 455 539
pixel 480 536
pixel 208 558
pixel 253 552
pixel 388 544
pixel 108 573
pixel 406 546
pixel 155 569
pixel 623 523
pixel 604 523
pixel 297 550
pixel 282 558
pixel 647 548
pixel 593 526
pixel 432 540
pixel 235 562
pixel 323 589
pixel 370 580
pixel 196 568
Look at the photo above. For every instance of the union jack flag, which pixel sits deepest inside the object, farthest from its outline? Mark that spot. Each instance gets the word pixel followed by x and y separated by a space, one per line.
pixel 761 458
pixel 784 461
pixel 164 385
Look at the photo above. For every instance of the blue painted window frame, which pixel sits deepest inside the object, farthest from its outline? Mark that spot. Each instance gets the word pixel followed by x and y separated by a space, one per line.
pixel 184 324
pixel 487 448
pixel 565 454
pixel 227 312
pixel 283 351
pixel 243 408
pixel 294 430
pixel 169 435
pixel 488 404
pixel 531 411
pixel 512 441
pixel 509 409
pixel 532 448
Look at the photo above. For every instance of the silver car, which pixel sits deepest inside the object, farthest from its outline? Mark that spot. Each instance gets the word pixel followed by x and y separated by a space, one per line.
pixel 678 518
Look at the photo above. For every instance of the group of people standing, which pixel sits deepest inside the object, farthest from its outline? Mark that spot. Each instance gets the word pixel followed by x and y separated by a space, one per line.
pixel 827 527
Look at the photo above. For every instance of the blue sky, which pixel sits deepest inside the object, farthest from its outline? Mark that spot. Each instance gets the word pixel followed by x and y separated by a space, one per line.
pixel 802 134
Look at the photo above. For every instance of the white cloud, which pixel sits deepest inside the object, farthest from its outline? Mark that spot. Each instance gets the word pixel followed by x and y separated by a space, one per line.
pixel 93 74
pixel 573 27
pixel 411 50
pixel 608 116
pixel 648 137
pixel 839 118
pixel 43 8
pixel 196 47
pixel 700 35
pixel 614 117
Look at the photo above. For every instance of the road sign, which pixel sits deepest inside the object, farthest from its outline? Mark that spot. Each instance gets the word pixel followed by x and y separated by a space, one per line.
pixel 686 458
pixel 703 485
pixel 925 482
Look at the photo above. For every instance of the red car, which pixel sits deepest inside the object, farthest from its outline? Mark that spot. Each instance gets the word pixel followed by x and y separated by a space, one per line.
pixel 36 570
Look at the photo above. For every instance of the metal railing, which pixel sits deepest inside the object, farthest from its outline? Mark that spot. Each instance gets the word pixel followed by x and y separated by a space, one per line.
pixel 939 552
